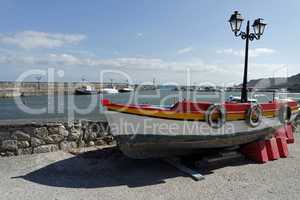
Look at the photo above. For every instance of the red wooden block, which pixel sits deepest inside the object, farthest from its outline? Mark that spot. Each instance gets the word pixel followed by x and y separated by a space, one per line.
pixel 272 149
pixel 282 147
pixel 289 134
pixel 256 151
pixel 281 132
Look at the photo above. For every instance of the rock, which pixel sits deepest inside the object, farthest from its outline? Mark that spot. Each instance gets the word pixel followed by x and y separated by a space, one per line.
pixel 81 143
pixel 49 140
pixel 62 131
pixel 108 139
pixel 90 136
pixel 10 145
pixel 93 131
pixel 23 144
pixel 20 135
pixel 74 129
pixel 57 138
pixel 91 143
pixel 74 135
pixel 2 154
pixel 4 135
pixel 53 130
pixel 77 124
pixel 28 130
pixel 69 125
pixel 41 133
pixel 46 148
pixel 67 146
pixel 9 154
pixel 103 130
pixel 100 142
pixel 36 142
pixel 26 151
pixel 102 134
pixel 84 124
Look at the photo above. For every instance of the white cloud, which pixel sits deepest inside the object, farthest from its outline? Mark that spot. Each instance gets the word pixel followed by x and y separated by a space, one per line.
pixel 184 50
pixel 140 69
pixel 256 52
pixel 143 68
pixel 132 63
pixel 225 51
pixel 261 51
pixel 138 35
pixel 34 39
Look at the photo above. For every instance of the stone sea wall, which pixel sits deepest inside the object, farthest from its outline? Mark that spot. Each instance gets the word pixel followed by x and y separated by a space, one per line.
pixel 33 138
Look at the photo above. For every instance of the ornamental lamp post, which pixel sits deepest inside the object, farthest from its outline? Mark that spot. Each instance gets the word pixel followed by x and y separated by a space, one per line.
pixel 259 25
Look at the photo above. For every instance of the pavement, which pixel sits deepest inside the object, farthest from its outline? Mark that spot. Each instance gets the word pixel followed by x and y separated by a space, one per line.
pixel 107 174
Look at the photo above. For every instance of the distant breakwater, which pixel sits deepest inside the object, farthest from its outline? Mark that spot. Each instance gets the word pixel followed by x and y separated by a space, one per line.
pixel 11 89
pixel 32 138
pixel 47 88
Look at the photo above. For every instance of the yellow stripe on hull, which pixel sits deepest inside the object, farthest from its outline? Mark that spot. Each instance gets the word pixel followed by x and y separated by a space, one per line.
pixel 194 116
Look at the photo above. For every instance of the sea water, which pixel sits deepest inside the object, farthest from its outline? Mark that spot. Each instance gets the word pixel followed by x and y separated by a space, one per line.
pixel 89 106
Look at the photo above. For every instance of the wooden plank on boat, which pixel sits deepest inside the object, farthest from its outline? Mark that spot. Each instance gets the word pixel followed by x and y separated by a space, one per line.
pixel 175 162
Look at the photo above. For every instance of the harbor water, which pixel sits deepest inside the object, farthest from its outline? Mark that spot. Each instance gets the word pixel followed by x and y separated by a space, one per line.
pixel 89 107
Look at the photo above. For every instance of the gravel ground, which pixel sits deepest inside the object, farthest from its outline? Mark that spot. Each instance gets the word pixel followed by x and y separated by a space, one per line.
pixel 109 175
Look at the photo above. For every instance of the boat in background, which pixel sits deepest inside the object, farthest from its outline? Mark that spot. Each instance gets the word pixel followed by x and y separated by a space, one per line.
pixel 109 90
pixel 126 89
pixel 237 99
pixel 112 90
pixel 85 90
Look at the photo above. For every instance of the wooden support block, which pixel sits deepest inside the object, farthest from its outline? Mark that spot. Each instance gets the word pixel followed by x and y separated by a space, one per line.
pixel 256 151
pixel 289 134
pixel 221 159
pixel 282 147
pixel 272 149
pixel 281 132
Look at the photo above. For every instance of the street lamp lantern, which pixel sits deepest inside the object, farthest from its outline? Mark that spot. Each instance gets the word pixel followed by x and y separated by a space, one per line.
pixel 236 21
pixel 259 25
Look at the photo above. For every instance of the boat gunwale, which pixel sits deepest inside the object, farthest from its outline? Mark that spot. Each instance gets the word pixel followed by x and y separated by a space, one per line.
pixel 170 113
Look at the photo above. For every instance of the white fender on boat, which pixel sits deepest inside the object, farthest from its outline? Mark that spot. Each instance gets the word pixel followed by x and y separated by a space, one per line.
pixel 254 116
pixel 209 116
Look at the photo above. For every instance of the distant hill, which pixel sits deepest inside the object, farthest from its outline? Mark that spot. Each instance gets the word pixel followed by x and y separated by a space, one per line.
pixel 292 83
pixel 266 82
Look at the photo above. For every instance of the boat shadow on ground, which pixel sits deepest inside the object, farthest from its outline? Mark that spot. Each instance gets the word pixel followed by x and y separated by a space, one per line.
pixel 105 168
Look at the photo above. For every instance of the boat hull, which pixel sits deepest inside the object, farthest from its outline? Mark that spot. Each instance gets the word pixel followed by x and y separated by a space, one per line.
pixel 147 137
pixel 125 90
pixel 157 146
pixel 109 91
pixel 83 92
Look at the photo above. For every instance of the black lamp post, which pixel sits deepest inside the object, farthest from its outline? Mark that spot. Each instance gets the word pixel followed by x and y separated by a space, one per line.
pixel 236 21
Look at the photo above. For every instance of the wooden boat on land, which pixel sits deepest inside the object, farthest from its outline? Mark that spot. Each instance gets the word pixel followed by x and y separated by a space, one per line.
pixel 144 131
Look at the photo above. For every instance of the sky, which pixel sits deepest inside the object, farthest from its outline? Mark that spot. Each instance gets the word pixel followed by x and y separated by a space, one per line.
pixel 173 41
